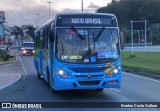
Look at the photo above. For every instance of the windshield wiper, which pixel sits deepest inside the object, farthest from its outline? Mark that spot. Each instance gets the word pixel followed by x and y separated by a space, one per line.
pixel 99 34
pixel 79 35
pixel 62 48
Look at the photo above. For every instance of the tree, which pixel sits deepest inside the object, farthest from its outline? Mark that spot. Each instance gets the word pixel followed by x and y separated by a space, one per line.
pixel 150 11
pixel 127 10
pixel 17 31
pixel 30 30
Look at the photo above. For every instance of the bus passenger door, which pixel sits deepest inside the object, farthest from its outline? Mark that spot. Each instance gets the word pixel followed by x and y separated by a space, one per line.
pixel 40 53
pixel 45 53
pixel 51 55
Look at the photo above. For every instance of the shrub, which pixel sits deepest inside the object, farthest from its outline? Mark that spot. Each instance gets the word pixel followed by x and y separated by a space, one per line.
pixel 4 55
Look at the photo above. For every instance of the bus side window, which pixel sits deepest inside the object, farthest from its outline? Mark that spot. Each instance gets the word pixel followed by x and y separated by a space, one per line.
pixel 38 39
pixel 35 41
pixel 47 38
pixel 51 32
pixel 41 39
pixel 44 38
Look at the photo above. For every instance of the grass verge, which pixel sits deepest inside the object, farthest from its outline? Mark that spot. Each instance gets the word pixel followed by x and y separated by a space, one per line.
pixel 147 62
pixel 10 59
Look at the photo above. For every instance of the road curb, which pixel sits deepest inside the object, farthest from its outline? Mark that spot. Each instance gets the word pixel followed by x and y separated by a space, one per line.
pixel 11 83
pixel 142 73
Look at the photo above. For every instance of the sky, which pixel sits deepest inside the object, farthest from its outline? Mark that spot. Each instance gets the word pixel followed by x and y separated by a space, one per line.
pixel 24 12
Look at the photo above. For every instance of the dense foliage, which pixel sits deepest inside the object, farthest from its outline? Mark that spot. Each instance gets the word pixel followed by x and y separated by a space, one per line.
pixel 127 10
pixel 30 30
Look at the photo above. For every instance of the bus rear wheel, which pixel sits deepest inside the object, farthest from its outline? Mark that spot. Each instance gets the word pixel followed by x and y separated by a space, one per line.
pixel 38 74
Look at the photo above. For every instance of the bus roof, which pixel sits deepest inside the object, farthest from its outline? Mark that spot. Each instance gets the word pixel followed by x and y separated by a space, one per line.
pixel 84 14
pixel 76 14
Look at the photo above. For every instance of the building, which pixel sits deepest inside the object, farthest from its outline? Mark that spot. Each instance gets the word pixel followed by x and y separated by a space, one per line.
pixel 2 20
pixel 1 31
pixel 5 31
pixel 7 34
pixel 2 17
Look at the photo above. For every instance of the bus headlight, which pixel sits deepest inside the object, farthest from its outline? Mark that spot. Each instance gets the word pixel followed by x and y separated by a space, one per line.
pixel 115 71
pixel 24 52
pixel 33 51
pixel 60 72
pixel 63 74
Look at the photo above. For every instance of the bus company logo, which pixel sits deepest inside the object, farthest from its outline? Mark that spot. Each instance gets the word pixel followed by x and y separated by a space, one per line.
pixel 89 76
pixel 6 105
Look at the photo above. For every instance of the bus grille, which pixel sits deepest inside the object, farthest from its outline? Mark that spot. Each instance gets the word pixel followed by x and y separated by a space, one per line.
pixel 86 70
pixel 89 82
pixel 29 50
pixel 86 76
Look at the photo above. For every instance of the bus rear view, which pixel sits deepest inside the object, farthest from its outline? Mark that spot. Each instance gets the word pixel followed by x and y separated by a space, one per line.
pixel 86 52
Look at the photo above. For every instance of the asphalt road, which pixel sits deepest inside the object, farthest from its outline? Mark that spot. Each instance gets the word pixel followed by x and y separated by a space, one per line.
pixel 30 89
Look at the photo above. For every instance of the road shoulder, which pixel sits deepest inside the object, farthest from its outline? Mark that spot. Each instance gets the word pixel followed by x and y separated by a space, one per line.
pixel 10 72
pixel 155 76
pixel 9 79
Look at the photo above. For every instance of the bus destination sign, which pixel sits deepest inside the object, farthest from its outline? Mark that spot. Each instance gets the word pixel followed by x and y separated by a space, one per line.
pixel 86 20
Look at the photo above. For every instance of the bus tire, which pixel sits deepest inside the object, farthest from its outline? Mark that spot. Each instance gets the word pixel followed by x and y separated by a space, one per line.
pixel 38 74
pixel 101 89
pixel 48 77
pixel 51 88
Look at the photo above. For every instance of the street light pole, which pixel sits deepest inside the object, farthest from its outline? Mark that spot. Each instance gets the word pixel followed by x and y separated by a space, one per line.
pixel 145 33
pixel 38 20
pixel 132 35
pixel 82 6
pixel 49 8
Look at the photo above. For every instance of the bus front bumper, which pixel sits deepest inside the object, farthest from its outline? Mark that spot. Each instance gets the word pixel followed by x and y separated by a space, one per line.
pixel 77 84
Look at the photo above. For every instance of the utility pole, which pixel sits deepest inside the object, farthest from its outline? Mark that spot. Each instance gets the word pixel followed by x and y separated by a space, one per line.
pixel 82 6
pixel 37 19
pixel 49 8
pixel 145 33
pixel 132 35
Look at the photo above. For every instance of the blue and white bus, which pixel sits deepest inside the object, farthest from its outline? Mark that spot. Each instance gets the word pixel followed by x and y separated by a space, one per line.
pixel 79 51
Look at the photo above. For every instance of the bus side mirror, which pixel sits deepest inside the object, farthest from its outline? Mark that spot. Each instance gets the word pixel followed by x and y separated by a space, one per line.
pixel 51 36
pixel 122 40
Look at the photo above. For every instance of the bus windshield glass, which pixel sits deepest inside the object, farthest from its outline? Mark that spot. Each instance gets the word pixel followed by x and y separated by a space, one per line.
pixel 90 45
pixel 28 44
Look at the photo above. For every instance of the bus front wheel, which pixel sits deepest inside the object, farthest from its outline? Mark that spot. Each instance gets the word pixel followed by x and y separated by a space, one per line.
pixel 101 89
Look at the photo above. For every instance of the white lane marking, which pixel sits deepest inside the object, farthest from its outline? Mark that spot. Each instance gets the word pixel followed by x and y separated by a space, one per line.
pixel 24 69
pixel 141 77
pixel 115 90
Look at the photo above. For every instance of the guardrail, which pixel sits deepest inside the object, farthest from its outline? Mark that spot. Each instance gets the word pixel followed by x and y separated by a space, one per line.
pixel 138 44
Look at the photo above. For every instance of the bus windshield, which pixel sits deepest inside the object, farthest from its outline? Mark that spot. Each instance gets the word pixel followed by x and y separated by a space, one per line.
pixel 28 44
pixel 76 45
